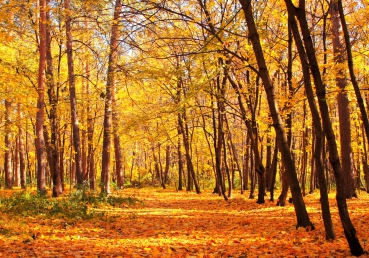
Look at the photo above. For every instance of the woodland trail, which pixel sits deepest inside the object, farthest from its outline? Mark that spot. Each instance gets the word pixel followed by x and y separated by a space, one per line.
pixel 182 224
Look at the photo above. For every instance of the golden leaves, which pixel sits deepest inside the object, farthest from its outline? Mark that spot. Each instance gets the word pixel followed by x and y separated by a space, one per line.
pixel 175 224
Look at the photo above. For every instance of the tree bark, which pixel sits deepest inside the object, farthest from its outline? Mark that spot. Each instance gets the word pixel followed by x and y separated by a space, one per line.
pixel 110 86
pixel 21 149
pixel 72 97
pixel 298 202
pixel 350 63
pixel 319 135
pixel 349 229
pixel 90 134
pixel 53 147
pixel 40 142
pixel 343 104
pixel 8 147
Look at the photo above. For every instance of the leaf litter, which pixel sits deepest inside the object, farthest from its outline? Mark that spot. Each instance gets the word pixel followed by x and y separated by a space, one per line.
pixel 182 224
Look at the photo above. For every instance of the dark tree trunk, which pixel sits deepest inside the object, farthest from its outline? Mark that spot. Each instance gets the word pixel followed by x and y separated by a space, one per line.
pixel 330 234
pixel 274 170
pixel 40 143
pixel 349 229
pixel 190 168
pixel 268 164
pixel 8 146
pixel 105 171
pixel 180 161
pixel 72 98
pixel 350 63
pixel 90 134
pixel 21 149
pixel 167 164
pixel 53 146
pixel 118 162
pixel 343 104
pixel 365 163
pixel 298 202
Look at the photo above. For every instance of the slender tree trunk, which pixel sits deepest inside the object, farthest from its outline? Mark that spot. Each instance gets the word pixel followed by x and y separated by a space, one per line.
pixel 274 170
pixel 167 164
pixel 53 147
pixel 313 170
pixel 40 143
pixel 365 163
pixel 72 97
pixel 22 161
pixel 118 161
pixel 343 104
pixel 350 63
pixel 8 147
pixel 160 165
pixel 246 164
pixel 188 157
pixel 61 160
pixel 235 156
pixel 16 175
pixel 90 134
pixel 218 172
pixel 330 234
pixel 253 139
pixel 268 164
pixel 349 229
pixel 180 163
pixel 305 153
pixel 110 86
pixel 298 202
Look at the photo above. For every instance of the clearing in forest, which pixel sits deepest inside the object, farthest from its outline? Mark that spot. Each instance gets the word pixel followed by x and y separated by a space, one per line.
pixel 166 223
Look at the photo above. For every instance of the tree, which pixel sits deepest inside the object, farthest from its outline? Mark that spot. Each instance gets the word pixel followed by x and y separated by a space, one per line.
pixel 318 130
pixel 8 147
pixel 72 96
pixel 343 103
pixel 105 171
pixel 54 160
pixel 298 202
pixel 349 229
pixel 40 142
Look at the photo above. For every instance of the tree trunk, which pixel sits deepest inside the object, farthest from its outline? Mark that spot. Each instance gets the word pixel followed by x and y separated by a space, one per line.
pixel 90 134
pixel 350 63
pixel 22 161
pixel 40 143
pixel 298 202
pixel 53 147
pixel 8 147
pixel 110 86
pixel 349 229
pixel 180 163
pixel 313 170
pixel 256 160
pixel 343 104
pixel 192 175
pixel 330 234
pixel 118 162
pixel 167 164
pixel 274 170
pixel 365 163
pixel 72 97
pixel 268 163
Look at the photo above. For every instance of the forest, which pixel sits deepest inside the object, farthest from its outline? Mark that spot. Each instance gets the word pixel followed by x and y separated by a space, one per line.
pixel 264 101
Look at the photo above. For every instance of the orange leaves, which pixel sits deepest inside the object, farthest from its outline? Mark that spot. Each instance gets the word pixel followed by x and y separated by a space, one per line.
pixel 173 224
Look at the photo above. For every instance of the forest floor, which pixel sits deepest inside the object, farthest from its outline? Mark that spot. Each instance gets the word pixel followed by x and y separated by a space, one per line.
pixel 166 223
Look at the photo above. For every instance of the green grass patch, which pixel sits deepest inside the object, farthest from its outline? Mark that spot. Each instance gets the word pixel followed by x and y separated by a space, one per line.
pixel 80 204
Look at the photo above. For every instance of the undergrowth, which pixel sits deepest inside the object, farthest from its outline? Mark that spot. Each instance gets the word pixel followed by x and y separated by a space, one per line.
pixel 80 204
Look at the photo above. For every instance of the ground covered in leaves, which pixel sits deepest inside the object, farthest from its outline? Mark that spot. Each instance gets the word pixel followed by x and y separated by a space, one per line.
pixel 166 223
